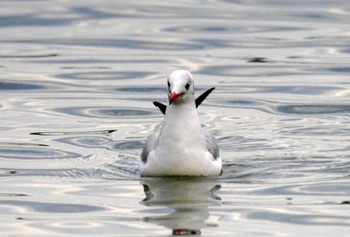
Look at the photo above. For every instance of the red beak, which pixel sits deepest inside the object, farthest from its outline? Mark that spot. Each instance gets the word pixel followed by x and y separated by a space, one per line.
pixel 173 96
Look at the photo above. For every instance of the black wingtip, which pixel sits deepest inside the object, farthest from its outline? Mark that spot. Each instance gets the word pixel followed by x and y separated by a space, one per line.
pixel 160 106
pixel 198 101
pixel 202 97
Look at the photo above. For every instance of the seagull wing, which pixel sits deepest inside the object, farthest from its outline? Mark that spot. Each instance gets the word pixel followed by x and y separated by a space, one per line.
pixel 202 97
pixel 150 143
pixel 160 106
pixel 212 145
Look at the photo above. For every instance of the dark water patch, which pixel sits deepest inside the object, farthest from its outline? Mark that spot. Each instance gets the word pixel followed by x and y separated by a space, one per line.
pixel 213 43
pixel 345 49
pixel 240 173
pixel 276 216
pixel 102 112
pixel 125 165
pixel 257 42
pixel 241 102
pixel 314 16
pixel 319 130
pixel 333 189
pixel 82 67
pixel 228 29
pixel 194 28
pixel 30 56
pixel 94 13
pixel 307 189
pixel 92 63
pixel 340 69
pixel 47 207
pixel 147 45
pixel 19 153
pixel 304 90
pixel 123 112
pixel 239 143
pixel 314 109
pixel 63 173
pixel 13 86
pixel 80 173
pixel 285 168
pixel 16 144
pixel 103 75
pixel 119 43
pixel 143 89
pixel 88 141
pixel 123 171
pixel 30 20
pixel 13 195
pixel 128 145
pixel 70 173
pixel 298 90
pixel 80 13
pixel 250 71
pixel 295 57
pixel 73 133
pixel 247 104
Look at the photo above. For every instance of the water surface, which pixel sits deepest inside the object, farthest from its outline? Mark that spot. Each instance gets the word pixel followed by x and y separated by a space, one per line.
pixel 76 85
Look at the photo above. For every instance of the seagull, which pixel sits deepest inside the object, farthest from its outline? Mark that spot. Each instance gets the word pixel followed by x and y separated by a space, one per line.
pixel 179 146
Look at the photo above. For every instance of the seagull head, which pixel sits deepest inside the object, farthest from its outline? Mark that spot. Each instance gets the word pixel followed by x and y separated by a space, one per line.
pixel 180 86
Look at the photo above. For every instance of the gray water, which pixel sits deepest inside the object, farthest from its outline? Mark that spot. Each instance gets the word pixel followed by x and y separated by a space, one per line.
pixel 76 85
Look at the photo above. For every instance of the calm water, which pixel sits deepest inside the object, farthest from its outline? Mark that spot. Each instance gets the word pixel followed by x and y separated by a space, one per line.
pixel 76 85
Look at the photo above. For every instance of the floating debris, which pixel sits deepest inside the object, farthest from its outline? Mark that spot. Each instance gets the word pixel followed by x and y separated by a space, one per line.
pixel 257 60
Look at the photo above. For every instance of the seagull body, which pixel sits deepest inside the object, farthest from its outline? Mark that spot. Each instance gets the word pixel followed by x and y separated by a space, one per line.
pixel 179 146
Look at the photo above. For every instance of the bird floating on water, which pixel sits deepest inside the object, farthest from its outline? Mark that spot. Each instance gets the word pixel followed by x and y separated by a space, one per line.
pixel 179 146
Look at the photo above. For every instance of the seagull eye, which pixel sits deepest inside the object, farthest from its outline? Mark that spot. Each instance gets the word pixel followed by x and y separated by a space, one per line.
pixel 187 86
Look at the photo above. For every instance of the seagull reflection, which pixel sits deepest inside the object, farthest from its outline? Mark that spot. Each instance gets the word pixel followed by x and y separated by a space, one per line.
pixel 189 200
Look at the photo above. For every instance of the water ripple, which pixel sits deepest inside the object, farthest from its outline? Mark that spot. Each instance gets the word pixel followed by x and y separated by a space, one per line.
pixel 315 109
pixel 117 43
pixel 229 29
pixel 299 218
pixel 102 132
pixel 104 75
pixel 47 207
pixel 87 141
pixel 30 56
pixel 40 153
pixel 129 145
pixel 103 112
pixel 143 89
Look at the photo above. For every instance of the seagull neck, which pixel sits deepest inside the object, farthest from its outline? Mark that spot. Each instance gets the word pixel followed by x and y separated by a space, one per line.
pixel 182 125
pixel 183 116
pixel 187 109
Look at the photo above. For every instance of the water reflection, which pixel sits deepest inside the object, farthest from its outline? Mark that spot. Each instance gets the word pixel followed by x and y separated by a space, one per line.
pixel 189 200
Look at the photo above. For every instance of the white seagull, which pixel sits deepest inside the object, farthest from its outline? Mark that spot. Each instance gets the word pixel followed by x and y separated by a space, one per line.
pixel 179 146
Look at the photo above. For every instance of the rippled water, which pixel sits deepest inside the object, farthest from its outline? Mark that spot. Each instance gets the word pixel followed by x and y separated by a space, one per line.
pixel 76 85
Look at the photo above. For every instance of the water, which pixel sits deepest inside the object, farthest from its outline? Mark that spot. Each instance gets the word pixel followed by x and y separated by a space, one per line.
pixel 76 85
